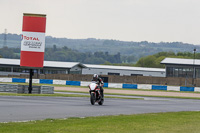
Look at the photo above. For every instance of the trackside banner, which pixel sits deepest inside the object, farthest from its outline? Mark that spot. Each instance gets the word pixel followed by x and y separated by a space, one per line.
pixel 33 40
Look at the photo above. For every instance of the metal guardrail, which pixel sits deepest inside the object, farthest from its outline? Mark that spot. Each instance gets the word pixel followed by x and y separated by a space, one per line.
pixel 14 88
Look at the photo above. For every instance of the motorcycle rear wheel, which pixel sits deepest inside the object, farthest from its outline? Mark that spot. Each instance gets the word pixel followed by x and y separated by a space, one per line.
pixel 101 102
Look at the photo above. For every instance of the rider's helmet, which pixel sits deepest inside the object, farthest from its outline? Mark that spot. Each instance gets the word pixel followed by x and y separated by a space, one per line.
pixel 95 77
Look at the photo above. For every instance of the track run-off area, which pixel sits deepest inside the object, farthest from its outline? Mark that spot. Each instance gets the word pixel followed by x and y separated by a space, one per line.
pixel 133 92
pixel 26 108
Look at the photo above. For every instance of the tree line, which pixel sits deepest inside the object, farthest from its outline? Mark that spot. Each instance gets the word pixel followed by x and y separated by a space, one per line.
pixel 67 54
pixel 70 55
pixel 130 51
pixel 154 60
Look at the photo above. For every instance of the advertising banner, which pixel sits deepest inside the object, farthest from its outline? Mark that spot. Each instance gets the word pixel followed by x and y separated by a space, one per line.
pixel 33 40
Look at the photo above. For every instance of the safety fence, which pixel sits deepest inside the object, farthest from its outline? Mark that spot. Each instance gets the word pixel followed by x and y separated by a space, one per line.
pixel 14 88
pixel 109 85
pixel 169 81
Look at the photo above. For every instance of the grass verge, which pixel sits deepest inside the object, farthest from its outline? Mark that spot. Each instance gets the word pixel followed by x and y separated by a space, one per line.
pixel 64 95
pixel 178 122
pixel 52 95
pixel 45 84
pixel 197 98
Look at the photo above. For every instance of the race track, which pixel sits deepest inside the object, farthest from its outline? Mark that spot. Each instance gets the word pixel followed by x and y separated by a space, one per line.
pixel 23 108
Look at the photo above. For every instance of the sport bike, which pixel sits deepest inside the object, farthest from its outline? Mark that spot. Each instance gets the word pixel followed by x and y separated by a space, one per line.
pixel 95 95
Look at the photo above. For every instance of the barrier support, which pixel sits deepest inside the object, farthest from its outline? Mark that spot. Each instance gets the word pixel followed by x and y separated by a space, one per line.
pixel 30 81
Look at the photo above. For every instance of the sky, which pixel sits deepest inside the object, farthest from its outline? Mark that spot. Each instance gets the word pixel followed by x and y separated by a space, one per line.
pixel 125 20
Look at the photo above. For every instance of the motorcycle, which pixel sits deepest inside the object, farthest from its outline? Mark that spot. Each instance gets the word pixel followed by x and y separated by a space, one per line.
pixel 95 95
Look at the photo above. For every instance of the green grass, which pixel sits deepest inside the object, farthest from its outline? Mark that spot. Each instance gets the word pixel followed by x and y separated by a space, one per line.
pixel 197 98
pixel 178 122
pixel 63 95
pixel 52 95
pixel 45 84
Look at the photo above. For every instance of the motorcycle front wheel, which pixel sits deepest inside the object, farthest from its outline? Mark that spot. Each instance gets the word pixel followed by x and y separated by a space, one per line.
pixel 92 98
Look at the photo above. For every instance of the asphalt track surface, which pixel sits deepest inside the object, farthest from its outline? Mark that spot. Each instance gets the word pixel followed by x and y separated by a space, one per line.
pixel 25 108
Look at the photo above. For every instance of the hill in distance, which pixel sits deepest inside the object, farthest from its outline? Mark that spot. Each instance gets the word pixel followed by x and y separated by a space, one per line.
pixel 125 48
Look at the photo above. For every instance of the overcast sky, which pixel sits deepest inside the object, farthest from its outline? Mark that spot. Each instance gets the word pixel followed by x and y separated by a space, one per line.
pixel 126 20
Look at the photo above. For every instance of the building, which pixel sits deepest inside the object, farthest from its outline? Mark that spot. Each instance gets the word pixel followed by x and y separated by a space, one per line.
pixel 12 66
pixel 123 70
pixel 177 67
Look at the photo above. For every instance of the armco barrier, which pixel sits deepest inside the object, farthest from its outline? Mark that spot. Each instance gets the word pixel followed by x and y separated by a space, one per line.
pixel 46 89
pixel 129 86
pixel 35 89
pixel 197 89
pixel 114 85
pixel 173 88
pixel 76 83
pixel 186 88
pixel 159 87
pixel 8 88
pixel 36 81
pixel 46 81
pixel 17 80
pixel 59 82
pixel 144 86
pixel 86 83
pixel 9 80
pixel 105 85
pixel 14 88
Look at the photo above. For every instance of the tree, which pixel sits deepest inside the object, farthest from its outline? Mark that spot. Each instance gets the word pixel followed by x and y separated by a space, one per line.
pixel 131 59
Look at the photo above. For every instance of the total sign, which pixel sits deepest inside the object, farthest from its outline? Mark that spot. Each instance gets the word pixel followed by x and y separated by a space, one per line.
pixel 33 40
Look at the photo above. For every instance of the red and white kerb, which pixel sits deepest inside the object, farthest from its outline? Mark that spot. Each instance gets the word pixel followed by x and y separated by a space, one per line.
pixel 33 40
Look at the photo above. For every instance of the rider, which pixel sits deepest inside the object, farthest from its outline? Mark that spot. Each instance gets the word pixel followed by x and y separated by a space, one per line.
pixel 100 83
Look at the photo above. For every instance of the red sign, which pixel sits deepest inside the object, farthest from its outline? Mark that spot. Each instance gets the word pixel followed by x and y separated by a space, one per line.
pixel 33 40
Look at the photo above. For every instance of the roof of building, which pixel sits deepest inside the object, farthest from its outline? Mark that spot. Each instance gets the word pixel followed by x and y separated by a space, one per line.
pixel 57 64
pixel 124 68
pixel 180 61
pixel 62 64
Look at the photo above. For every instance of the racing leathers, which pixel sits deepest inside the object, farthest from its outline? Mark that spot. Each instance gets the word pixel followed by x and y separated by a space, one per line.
pixel 100 83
